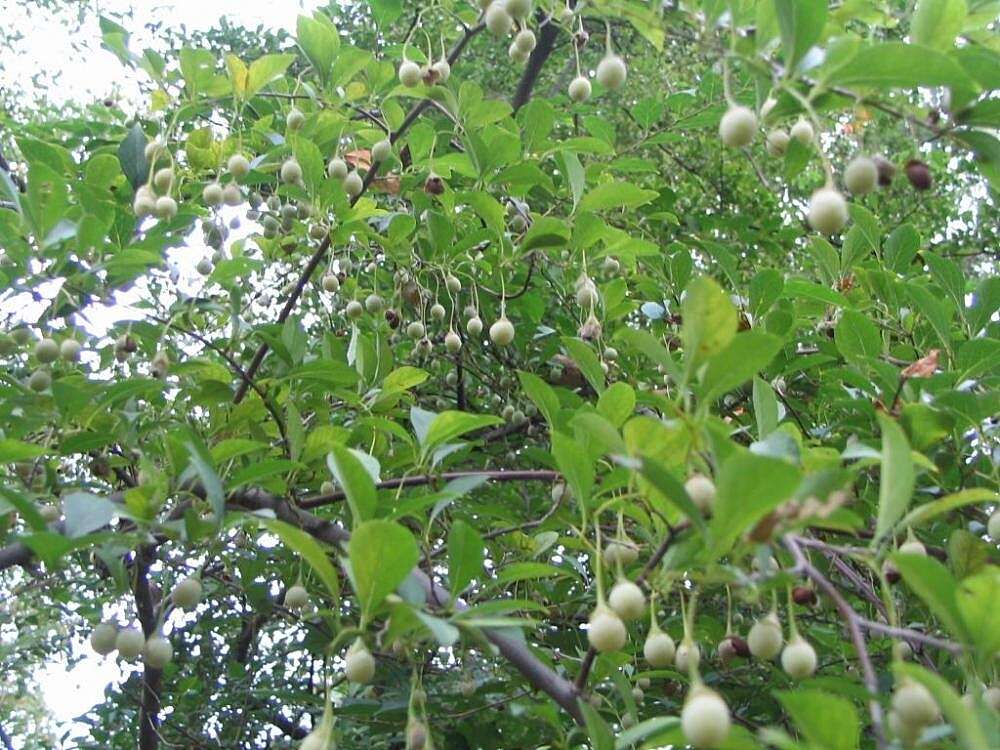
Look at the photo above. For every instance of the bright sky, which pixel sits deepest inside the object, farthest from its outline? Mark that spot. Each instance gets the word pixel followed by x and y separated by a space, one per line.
pixel 83 71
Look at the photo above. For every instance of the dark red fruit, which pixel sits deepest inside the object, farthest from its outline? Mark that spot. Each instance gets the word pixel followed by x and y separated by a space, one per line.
pixel 392 318
pixel 886 170
pixel 804 595
pixel 740 646
pixel 434 185
pixel 918 174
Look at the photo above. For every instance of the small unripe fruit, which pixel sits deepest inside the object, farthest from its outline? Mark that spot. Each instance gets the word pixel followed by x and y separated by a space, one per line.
pixel 212 194
pixel 611 266
pixel 993 526
pixel 354 309
pixel 610 353
pixel 163 179
pixel 517 54
pixel 238 166
pixel 291 172
pixel 798 659
pixel 659 649
pixel 860 175
pixel 382 150
pixel 914 704
pixel 359 665
pixel 452 342
pixel 644 683
pixel 919 174
pixel 409 74
pixel 518 8
pixel 153 150
pixel 827 211
pixel 579 89
pixel 525 40
pixel 205 267
pixel 474 326
pixel 586 294
pixel 47 350
pixel 611 72
pixel 637 694
pixel 627 600
pixel 765 637
pixel 913 547
pixel 187 593
pixel 623 550
pixel 498 20
pixel 443 70
pixel 437 311
pixel 374 303
pixel 158 652
pixel 21 335
pixel 353 184
pixel 337 168
pixel 39 381
pixel 738 126
pixel 231 195
pixel 296 597
pixel 331 283
pixel 886 170
pixel 607 631
pixel 415 330
pixel 802 131
pixel 688 656
pixel 502 332
pixel 416 735
pixel 103 638
pixel 705 718
pixel 701 490
pixel 777 142
pixel 144 205
pixel 166 207
pixel 294 120
pixel 130 643
pixel 453 283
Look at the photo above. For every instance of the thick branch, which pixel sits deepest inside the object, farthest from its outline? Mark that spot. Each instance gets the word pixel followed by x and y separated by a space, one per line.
pixel 152 679
pixel 547 35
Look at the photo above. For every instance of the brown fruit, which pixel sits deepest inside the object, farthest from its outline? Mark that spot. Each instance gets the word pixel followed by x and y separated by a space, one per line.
pixel 886 170
pixel 919 174
pixel 434 185
pixel 804 595
pixel 740 646
pixel 392 318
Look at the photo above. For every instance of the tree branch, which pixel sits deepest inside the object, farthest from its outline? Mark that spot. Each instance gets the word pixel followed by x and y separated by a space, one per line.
pixel 548 32
pixel 152 679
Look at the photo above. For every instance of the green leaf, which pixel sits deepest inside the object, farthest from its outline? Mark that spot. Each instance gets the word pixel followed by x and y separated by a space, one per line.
pixel 709 320
pixel 16 450
pixel 935 23
pixel 931 581
pixel 670 487
pixel 617 195
pixel 319 40
pixel 827 721
pixel 976 600
pixel 747 354
pixel 449 425
pixel 801 23
pixel 465 555
pixel 749 487
pixel 617 403
pixel 630 737
pixel 901 247
pixel 897 477
pixel 598 730
pixel 927 511
pixel 574 464
pixel 84 513
pixel 541 394
pixel 765 408
pixel 382 554
pixel 586 359
pixel 647 344
pixel 889 65
pixel 856 337
pixel 239 76
pixel 306 547
pixel 351 474
pixel 265 69
pixel 386 11
pixel 201 460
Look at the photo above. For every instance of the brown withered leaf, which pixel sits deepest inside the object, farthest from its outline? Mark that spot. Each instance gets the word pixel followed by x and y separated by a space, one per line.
pixel 923 367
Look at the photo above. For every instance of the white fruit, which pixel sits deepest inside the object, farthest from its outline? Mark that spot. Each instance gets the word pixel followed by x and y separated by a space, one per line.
pixel 409 74
pixel 607 631
pixel 993 526
pixel 166 207
pixel 452 342
pixel 359 666
pixel 474 326
pixel 802 131
pixel 644 683
pixel 331 283
pixel 47 350
pixel 705 718
pixel 443 69
pixel 163 179
pixel 738 126
pixel 158 652
pixel 354 309
pixel 291 172
pixel 353 184
pixel 861 175
pixel 913 547
pixel 317 739
pixel 453 283
pixel 103 638
pixel 153 150
pixel 625 551
pixel 130 643
pixel 518 8
pixel 768 106
pixel 517 54
pixel 296 597
pixel 579 89
pixel 437 311
pixel 39 381
pixel 798 659
pixel 382 150
pixel 701 490
pixel 611 72
pixel 586 294
pixel 337 168
pixel 765 637
pixel 659 649
pixel 688 656
pixel 212 194
pixel 374 303
pixel 777 142
pixel 502 332
pixel 231 195
pixel 144 205
pixel 827 211
pixel 294 119
pixel 498 20
pixel 238 166
pixel 525 40
pixel 627 600
pixel 914 704
pixel 187 593
pixel 415 330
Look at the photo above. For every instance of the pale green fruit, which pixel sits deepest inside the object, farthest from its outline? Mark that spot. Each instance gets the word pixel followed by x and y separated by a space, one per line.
pixel 409 74
pixel 47 350
pixel 130 643
pixel 291 172
pixel 238 166
pixel 659 649
pixel 296 597
pixel 103 638
pixel 579 89
pixel 738 126
pixel 765 637
pixel 611 72
pixel 861 175
pixel 627 600
pixel 607 631
pixel 187 593
pixel 798 659
pixel 827 211
pixel 158 652
pixel 166 207
pixel 502 332
pixel 705 718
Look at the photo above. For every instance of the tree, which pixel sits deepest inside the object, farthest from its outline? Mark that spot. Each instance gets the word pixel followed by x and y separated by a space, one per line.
pixel 527 376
